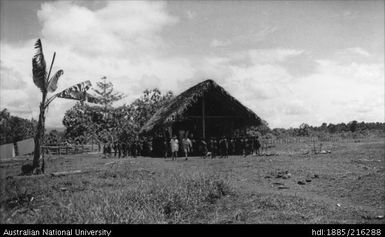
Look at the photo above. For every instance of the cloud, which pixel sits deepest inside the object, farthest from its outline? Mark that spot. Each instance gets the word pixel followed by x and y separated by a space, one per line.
pixel 10 78
pixel 272 55
pixel 296 107
pixel 121 41
pixel 191 14
pixel 243 39
pixel 256 36
pixel 116 29
pixel 285 86
pixel 359 51
pixel 219 43
pixel 333 91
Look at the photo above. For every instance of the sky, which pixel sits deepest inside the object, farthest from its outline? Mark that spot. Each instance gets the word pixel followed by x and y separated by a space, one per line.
pixel 291 62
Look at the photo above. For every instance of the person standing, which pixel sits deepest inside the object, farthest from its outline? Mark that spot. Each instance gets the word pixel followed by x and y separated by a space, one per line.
pixel 203 148
pixel 232 146
pixel 216 147
pixel 250 146
pixel 221 149
pixel 118 147
pixel 133 149
pixel 211 146
pixel 243 147
pixel 257 145
pixel 246 147
pixel 115 146
pixel 186 142
pixel 238 146
pixel 225 147
pixel 194 148
pixel 104 150
pixel 174 143
pixel 165 147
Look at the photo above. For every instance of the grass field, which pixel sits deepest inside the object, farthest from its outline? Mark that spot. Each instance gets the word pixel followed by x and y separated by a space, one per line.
pixel 345 186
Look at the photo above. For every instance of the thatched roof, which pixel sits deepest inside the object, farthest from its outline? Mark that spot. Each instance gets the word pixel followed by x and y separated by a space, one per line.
pixel 174 110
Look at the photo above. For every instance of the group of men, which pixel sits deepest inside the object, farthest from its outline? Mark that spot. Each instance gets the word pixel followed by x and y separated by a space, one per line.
pixel 212 147
pixel 186 146
pixel 122 149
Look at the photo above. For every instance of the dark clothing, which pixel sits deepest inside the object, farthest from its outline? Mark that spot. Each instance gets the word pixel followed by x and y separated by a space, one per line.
pixel 232 147
pixel 257 145
pixel 134 149
pixel 203 148
pixel 250 146
pixel 119 148
pixel 238 146
pixel 104 149
pixel 115 146
pixel 223 148
pixel 211 146
pixel 216 148
pixel 165 148
pixel 193 147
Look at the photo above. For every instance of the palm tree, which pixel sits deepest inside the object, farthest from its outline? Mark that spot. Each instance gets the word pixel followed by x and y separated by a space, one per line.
pixel 46 84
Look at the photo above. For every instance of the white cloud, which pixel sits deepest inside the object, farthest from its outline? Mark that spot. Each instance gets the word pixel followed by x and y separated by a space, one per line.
pixel 14 78
pixel 120 41
pixel 252 37
pixel 191 14
pixel 219 43
pixel 258 36
pixel 359 51
pixel 334 92
pixel 272 55
pixel 114 30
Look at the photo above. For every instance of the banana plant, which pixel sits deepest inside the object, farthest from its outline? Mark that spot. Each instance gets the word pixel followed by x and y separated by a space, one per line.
pixel 48 84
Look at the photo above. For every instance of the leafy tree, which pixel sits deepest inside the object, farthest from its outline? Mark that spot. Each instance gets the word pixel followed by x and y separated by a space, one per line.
pixel 362 126
pixel 304 130
pixel 332 128
pixel 132 117
pixel 123 123
pixel 77 121
pixel 342 127
pixel 53 138
pixel 14 129
pixel 324 127
pixel 353 126
pixel 143 108
pixel 262 129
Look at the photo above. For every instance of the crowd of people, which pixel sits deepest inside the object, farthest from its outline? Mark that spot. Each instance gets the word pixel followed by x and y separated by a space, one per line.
pixel 213 147
pixel 124 149
pixel 185 146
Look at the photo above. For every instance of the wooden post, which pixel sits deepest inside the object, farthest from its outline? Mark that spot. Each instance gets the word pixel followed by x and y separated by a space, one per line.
pixel 203 118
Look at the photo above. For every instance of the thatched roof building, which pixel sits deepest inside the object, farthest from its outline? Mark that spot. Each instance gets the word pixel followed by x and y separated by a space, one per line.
pixel 205 109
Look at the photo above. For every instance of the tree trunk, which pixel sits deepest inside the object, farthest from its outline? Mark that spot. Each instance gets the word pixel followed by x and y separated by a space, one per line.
pixel 39 136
